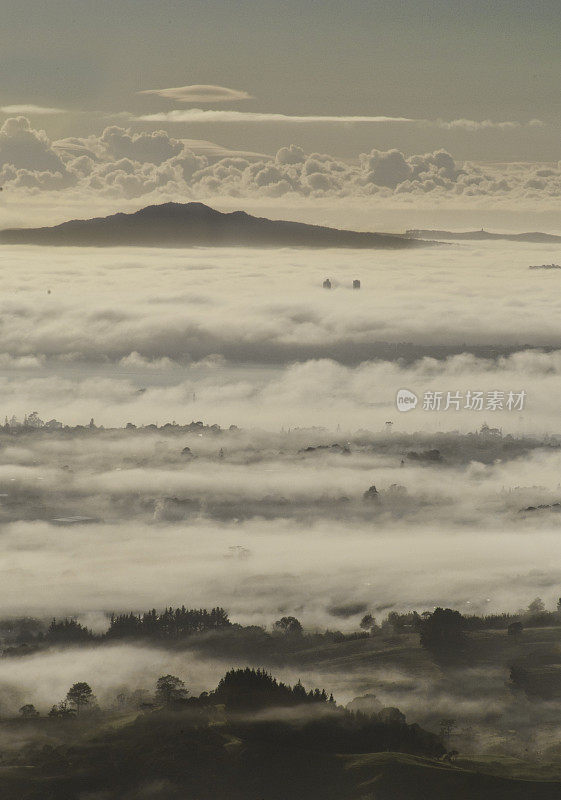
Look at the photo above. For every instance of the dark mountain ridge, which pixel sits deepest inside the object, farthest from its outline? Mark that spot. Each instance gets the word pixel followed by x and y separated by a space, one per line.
pixel 195 224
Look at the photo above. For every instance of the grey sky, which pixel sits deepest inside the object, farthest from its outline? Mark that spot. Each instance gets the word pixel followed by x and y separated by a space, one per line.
pixel 428 59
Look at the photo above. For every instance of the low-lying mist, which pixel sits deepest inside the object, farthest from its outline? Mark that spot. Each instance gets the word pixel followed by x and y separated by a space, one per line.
pixel 271 523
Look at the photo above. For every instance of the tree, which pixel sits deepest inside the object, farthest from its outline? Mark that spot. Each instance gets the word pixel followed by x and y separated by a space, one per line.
pixel 28 711
pixel 368 623
pixel 80 695
pixel 401 622
pixel 392 716
pixel 447 728
pixel 34 421
pixel 170 690
pixel 61 710
pixel 253 689
pixel 536 606
pixel 288 625
pixel 68 630
pixel 442 630
pixel 520 678
pixel 173 623
pixel 515 629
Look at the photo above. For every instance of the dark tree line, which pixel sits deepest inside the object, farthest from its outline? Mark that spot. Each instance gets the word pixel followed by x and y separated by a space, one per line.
pixel 173 623
pixel 437 629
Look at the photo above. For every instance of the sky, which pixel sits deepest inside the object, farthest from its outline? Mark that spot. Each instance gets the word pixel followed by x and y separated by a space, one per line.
pixel 426 60
pixel 331 113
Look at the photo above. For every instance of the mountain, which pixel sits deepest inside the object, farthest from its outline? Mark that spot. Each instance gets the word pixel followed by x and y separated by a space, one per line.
pixel 534 237
pixel 194 224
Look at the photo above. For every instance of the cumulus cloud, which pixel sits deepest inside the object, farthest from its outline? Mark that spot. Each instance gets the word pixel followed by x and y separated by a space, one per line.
pixel 153 147
pixel 23 146
pixel 200 93
pixel 391 168
pixel 121 163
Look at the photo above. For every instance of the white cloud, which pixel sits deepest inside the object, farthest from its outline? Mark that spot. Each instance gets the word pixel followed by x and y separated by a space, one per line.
pixel 200 115
pixel 121 163
pixel 200 93
pixel 28 108
pixel 475 125
pixel 154 147
pixel 210 115
pixel 23 146
pixel 134 361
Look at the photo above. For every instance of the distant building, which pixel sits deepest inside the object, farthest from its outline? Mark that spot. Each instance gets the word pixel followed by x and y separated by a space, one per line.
pixel 485 430
pixel 371 495
pixel 356 284
pixel 54 424
pixel 327 284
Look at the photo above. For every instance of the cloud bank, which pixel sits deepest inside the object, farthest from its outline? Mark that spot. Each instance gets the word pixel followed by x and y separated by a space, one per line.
pixel 298 355
pixel 123 164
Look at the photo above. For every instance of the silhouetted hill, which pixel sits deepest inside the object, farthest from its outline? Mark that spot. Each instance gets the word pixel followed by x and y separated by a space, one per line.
pixel 171 757
pixel 188 224
pixel 534 237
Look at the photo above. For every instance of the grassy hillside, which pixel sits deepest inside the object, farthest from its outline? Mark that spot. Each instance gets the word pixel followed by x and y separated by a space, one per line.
pixel 395 776
pixel 163 759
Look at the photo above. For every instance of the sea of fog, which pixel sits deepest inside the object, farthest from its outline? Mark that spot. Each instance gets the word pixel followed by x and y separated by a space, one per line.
pixel 252 519
pixel 249 337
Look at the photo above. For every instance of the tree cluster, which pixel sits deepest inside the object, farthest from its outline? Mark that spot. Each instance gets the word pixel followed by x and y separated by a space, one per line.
pixel 173 623
pixel 253 689
pixel 67 631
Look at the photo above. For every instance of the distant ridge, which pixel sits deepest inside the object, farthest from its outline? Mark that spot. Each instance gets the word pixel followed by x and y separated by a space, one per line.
pixel 194 224
pixel 534 237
